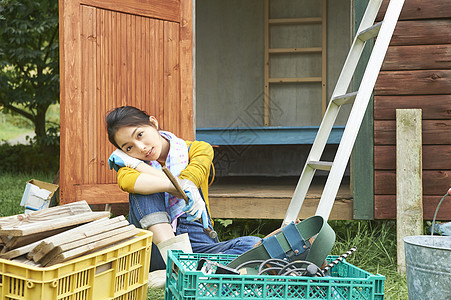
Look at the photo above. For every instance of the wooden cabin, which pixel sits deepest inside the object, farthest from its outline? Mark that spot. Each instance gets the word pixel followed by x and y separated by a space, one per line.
pixel 252 78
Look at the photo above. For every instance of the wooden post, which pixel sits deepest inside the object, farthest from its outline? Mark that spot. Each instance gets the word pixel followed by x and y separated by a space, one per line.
pixel 409 190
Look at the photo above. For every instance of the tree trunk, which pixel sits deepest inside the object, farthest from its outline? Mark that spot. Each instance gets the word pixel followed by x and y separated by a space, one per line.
pixel 39 123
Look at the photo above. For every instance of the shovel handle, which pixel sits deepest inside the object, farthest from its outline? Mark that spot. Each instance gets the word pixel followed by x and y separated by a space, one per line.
pixel 210 232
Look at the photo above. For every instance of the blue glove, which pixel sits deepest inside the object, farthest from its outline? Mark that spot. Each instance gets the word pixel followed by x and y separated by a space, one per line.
pixel 119 159
pixel 196 208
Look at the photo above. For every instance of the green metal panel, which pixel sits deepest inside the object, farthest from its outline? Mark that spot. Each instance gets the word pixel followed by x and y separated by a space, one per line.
pixel 362 160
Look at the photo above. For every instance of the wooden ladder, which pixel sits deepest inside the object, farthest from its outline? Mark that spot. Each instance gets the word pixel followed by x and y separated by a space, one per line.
pixel 271 51
pixel 358 99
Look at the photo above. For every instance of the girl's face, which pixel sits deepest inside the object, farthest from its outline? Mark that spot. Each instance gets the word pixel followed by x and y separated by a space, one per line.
pixel 142 142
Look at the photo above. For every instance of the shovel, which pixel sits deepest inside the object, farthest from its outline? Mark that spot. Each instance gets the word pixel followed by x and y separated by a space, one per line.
pixel 210 232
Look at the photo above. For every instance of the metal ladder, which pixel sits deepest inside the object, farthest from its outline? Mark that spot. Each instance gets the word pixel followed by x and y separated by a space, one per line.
pixel 358 99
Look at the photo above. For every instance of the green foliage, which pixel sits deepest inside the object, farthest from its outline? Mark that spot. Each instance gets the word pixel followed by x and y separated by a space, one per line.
pixel 29 158
pixel 228 229
pixel 29 64
pixel 155 294
pixel 376 251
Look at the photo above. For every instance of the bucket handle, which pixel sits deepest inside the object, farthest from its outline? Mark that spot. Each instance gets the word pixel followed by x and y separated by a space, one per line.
pixel 436 211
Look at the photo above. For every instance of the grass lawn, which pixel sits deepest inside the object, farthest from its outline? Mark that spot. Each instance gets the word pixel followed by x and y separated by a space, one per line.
pixel 375 240
pixel 12 186
pixel 8 132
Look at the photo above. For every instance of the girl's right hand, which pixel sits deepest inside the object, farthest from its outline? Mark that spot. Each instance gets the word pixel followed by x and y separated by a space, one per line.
pixel 119 159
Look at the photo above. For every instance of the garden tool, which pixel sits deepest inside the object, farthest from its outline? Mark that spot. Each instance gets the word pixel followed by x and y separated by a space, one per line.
pixel 210 232
pixel 310 240
pixel 338 260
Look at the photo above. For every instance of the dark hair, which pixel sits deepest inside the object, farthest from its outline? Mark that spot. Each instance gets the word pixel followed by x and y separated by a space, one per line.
pixel 125 116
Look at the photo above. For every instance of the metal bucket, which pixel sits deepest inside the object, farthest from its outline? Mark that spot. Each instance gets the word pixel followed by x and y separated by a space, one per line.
pixel 428 266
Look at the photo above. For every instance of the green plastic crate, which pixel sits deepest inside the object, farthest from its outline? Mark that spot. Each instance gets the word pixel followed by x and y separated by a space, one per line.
pixel 346 282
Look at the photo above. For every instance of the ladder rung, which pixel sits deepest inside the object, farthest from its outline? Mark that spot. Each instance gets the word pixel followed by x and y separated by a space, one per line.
pixel 320 165
pixel 294 80
pixel 344 99
pixel 370 32
pixel 296 50
pixel 291 21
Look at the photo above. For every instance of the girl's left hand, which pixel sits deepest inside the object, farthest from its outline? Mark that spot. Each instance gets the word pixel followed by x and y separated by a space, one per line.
pixel 196 207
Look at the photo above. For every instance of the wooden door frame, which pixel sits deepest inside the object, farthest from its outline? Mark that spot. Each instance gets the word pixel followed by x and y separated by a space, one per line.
pixel 70 87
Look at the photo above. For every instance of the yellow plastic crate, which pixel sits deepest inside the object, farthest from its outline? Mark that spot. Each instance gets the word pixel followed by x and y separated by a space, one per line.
pixel 119 272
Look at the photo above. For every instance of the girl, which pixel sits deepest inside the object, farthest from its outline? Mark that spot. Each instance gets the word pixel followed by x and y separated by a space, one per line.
pixel 154 203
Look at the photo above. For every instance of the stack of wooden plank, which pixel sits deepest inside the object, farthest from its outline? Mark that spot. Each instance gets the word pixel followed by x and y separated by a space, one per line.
pixel 57 234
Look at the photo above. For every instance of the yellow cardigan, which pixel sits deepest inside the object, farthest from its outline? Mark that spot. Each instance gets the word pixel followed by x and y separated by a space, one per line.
pixel 200 159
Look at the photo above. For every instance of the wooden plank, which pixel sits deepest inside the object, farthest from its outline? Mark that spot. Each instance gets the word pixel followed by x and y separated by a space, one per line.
pixel 434 182
pixel 67 221
pixel 159 72
pixel 100 81
pixel 269 199
pixel 20 241
pixel 419 9
pixel 47 244
pixel 107 232
pixel 266 100
pixel 418 82
pixel 422 32
pixel 123 63
pixel 294 21
pixel 433 57
pixel 101 194
pixel 409 191
pixel 77 233
pixel 166 10
pixel 131 55
pixel 19 251
pixel 139 59
pixel 295 80
pixel 88 42
pixel 187 130
pixel 434 106
pixel 70 70
pixel 435 132
pixel 93 246
pixel 171 83
pixel 272 208
pixel 295 50
pixel 112 36
pixel 46 214
pixel 385 207
pixel 324 58
pixel 24 260
pixel 266 135
pixel 362 175
pixel 385 158
pixel 149 90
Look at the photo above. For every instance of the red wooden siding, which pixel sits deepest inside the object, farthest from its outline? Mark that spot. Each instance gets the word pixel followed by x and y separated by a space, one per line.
pixel 113 54
pixel 420 9
pixel 416 74
pixel 156 9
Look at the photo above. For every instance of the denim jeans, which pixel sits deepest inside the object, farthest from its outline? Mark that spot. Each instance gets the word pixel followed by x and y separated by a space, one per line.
pixel 147 210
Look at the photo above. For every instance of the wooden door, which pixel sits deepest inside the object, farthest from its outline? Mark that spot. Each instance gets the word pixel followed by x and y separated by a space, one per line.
pixel 114 53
